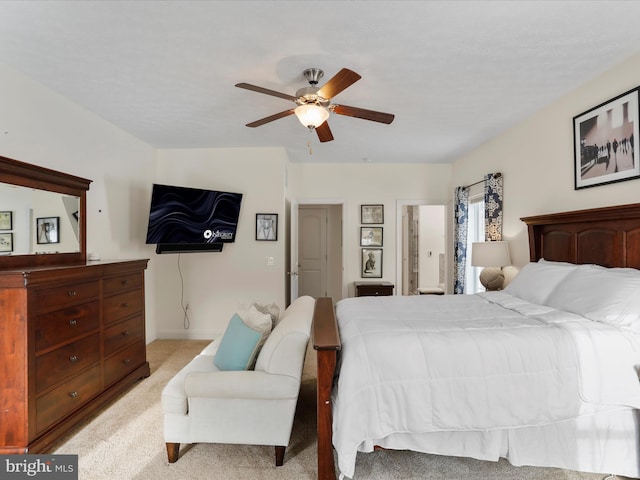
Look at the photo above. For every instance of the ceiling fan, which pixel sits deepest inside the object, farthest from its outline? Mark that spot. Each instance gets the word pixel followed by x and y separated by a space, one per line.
pixel 314 104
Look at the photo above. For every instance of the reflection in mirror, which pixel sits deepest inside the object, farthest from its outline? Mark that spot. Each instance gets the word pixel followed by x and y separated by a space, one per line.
pixel 423 246
pixel 41 221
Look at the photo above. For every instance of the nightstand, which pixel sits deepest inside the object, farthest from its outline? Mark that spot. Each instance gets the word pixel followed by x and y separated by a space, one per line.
pixel 373 289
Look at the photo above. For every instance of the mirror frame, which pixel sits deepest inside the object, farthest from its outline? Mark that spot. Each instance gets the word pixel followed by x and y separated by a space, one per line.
pixel 23 174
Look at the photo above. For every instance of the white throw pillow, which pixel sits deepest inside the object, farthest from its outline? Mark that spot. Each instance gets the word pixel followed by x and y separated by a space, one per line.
pixel 607 295
pixel 536 281
pixel 271 309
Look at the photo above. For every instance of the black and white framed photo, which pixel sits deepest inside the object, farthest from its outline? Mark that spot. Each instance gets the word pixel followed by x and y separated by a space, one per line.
pixel 604 142
pixel 48 230
pixel 371 263
pixel 370 236
pixel 6 242
pixel 267 226
pixel 371 214
pixel 6 220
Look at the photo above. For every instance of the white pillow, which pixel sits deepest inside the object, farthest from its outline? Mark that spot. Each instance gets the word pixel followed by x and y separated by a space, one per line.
pixel 536 281
pixel 557 264
pixel 607 295
pixel 260 322
pixel 271 309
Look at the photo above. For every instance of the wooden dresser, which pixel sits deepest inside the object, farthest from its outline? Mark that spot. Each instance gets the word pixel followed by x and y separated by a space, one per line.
pixel 71 338
pixel 373 289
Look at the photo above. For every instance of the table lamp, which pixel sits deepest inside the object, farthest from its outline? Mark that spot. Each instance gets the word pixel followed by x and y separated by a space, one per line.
pixel 493 256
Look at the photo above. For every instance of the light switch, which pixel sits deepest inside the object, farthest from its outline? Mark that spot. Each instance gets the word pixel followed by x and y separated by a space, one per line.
pixel 269 260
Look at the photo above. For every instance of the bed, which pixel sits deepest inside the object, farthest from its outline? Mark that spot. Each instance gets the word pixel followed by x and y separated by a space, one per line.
pixel 544 373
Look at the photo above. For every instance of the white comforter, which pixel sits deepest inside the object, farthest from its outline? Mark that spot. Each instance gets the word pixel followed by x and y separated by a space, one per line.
pixel 470 362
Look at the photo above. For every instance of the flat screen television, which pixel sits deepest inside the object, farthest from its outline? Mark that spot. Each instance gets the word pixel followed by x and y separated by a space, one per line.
pixel 183 219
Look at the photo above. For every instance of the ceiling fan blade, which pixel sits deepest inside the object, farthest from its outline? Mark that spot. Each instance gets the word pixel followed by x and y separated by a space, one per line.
pixel 324 132
pixel 255 88
pixel 271 118
pixel 364 114
pixel 341 80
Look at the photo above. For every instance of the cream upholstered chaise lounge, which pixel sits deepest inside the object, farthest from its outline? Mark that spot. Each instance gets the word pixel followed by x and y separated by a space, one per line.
pixel 203 404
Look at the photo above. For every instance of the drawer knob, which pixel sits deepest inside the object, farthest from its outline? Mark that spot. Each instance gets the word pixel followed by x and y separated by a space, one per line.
pixel 73 394
pixel 73 358
pixel 72 293
pixel 126 333
pixel 124 305
pixel 126 361
pixel 124 282
pixel 73 322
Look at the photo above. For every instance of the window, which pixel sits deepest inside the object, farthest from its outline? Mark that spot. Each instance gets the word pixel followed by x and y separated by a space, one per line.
pixel 475 233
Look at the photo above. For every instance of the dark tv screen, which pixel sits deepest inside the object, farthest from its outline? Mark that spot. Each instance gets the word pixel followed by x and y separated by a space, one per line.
pixel 192 216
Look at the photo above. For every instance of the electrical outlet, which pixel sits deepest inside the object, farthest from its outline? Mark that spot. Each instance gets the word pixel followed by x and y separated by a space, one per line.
pixel 269 260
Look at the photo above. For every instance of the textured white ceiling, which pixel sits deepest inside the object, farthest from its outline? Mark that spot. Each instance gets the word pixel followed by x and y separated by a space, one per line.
pixel 454 73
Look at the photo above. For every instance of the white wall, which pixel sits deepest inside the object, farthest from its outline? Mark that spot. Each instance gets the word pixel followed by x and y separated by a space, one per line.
pixel 536 158
pixel 357 184
pixel 216 285
pixel 45 129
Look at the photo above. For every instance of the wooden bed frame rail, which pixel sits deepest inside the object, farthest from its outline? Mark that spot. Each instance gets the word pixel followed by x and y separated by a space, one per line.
pixel 326 343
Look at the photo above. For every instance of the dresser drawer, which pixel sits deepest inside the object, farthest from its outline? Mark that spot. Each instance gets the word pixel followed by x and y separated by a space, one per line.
pixel 62 325
pixel 120 284
pixel 123 334
pixel 48 299
pixel 63 400
pixel 66 361
pixel 122 306
pixel 124 362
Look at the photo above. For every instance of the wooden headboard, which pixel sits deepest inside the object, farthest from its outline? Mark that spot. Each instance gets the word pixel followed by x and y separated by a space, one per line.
pixel 608 236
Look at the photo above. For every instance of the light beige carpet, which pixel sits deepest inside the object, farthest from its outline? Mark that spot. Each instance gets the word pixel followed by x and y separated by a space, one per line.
pixel 124 441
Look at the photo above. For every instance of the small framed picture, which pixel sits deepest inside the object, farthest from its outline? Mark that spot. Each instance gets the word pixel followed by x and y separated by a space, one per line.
pixel 6 221
pixel 371 263
pixel 370 236
pixel 371 214
pixel 267 226
pixel 6 242
pixel 48 229
pixel 603 142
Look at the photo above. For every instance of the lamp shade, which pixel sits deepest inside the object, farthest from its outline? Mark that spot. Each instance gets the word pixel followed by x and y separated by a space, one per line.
pixel 312 116
pixel 490 254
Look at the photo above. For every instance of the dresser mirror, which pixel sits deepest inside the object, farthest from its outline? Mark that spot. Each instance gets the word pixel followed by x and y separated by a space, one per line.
pixel 42 216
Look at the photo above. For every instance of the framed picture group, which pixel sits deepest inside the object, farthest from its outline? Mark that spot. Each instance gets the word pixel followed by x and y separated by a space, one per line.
pixel 371 239
pixel 6 237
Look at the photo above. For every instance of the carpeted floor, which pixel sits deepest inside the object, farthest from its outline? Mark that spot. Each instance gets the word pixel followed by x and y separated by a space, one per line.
pixel 124 441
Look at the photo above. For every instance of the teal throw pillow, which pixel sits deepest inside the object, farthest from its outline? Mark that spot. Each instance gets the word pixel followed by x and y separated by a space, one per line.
pixel 238 346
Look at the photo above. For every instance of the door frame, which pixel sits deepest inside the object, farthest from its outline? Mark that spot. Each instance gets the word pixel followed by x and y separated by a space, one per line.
pixel 400 204
pixel 297 203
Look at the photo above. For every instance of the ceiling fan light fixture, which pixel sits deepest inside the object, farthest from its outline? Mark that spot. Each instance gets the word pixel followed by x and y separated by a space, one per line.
pixel 311 115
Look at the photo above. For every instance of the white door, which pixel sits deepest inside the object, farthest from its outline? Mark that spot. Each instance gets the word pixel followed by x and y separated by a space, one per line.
pixel 312 248
pixel 293 267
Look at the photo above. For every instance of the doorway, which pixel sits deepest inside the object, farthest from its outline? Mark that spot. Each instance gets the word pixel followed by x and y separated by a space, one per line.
pixel 319 252
pixel 422 251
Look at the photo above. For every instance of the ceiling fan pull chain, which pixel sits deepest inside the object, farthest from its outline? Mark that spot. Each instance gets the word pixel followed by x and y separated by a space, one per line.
pixel 309 146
